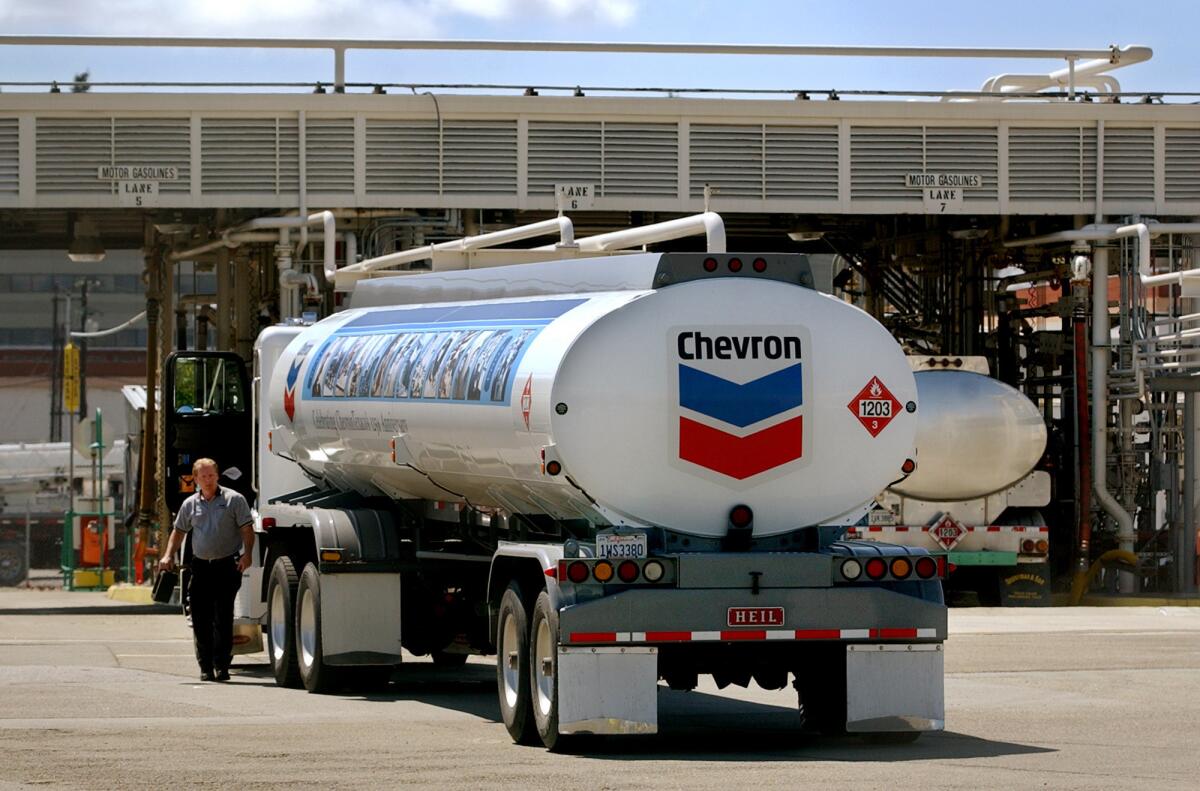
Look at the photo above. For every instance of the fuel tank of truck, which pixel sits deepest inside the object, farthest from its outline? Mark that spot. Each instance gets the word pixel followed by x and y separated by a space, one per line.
pixel 654 406
pixel 975 436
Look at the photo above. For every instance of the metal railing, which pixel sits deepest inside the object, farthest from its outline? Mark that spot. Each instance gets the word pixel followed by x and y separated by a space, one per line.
pixel 1085 67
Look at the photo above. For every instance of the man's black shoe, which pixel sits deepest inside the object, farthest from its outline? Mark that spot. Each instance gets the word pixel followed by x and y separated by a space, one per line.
pixel 207 675
pixel 222 675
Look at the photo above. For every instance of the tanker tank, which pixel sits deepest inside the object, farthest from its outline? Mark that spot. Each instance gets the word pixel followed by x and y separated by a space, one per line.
pixel 975 436
pixel 590 390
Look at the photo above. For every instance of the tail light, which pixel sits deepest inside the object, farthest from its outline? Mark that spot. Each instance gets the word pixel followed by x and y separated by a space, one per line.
pixel 851 569
pixel 735 265
pixel 1028 546
pixel 926 567
pixel 901 568
pixel 710 265
pixel 603 571
pixel 876 568
pixel 760 265
pixel 1043 546
pixel 577 572
pixel 627 571
pixel 267 522
pixel 653 571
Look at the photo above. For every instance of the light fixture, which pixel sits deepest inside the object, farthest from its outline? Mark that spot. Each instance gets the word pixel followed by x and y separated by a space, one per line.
pixel 85 246
pixel 806 232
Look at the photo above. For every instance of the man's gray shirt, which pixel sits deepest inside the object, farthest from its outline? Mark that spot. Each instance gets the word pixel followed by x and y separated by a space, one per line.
pixel 215 524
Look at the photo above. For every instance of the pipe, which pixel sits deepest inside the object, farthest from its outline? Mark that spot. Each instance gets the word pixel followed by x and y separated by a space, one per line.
pixel 111 330
pixel 351 254
pixel 710 223
pixel 1083 439
pixel 1100 403
pixel 1070 76
pixel 562 225
pixel 327 220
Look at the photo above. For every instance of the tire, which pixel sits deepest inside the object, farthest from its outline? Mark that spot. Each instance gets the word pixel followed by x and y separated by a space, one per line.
pixel 12 565
pixel 281 620
pixel 543 673
pixel 512 667
pixel 314 673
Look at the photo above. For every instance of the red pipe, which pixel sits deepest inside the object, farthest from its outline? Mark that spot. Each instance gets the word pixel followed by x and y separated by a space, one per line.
pixel 1084 440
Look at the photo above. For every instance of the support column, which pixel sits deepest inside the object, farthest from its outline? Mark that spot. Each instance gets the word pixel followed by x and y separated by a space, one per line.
pixel 225 300
pixel 1185 542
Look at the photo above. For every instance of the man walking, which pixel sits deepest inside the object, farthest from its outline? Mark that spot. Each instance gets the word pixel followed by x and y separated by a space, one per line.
pixel 220 524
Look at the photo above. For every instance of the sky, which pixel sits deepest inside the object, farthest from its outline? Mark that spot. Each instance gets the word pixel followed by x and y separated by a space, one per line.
pixel 1170 30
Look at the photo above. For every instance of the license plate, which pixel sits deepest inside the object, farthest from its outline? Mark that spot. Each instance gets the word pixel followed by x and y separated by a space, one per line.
pixel 624 546
pixel 755 616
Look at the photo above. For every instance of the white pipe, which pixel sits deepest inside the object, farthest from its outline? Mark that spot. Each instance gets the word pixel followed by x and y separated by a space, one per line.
pixel 708 223
pixel 1117 58
pixel 1106 54
pixel 561 225
pixel 351 247
pixel 326 218
pixel 111 330
pixel 1031 83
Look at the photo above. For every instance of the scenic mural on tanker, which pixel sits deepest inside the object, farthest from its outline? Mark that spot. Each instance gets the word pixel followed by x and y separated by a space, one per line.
pixel 404 355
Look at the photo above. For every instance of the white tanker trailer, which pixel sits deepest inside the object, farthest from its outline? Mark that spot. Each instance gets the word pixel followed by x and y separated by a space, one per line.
pixel 975 494
pixel 609 472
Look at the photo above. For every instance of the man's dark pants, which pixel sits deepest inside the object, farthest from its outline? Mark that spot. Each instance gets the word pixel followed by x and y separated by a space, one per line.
pixel 214 584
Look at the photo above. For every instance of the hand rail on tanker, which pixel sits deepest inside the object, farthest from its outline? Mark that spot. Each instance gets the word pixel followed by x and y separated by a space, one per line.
pixel 709 223
pixel 347 275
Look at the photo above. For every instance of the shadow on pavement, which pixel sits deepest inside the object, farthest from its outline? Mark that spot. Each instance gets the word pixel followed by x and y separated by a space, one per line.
pixel 96 609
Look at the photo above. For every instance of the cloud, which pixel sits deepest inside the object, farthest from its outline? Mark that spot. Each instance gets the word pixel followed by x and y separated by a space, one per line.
pixel 299 18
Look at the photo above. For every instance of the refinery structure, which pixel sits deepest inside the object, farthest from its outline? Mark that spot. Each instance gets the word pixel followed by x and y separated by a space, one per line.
pixel 1038 231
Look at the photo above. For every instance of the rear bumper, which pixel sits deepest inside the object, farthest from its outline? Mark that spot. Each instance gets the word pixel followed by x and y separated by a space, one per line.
pixel 671 616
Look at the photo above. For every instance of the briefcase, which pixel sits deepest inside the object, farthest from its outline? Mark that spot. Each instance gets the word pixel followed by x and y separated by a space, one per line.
pixel 164 586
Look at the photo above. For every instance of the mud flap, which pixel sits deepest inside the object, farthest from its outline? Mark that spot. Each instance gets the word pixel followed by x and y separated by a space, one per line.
pixel 1026 585
pixel 892 688
pixel 607 690
pixel 360 619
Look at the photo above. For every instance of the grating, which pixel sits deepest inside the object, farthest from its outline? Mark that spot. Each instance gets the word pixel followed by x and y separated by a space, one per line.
pixel 9 156
pixel 329 154
pixel 479 157
pixel 1182 164
pixel 561 152
pixel 1128 164
pixel 70 152
pixel 1052 163
pixel 402 156
pixel 250 155
pixel 641 160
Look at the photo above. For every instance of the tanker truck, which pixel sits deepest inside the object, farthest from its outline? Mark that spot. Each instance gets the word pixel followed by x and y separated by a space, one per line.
pixel 610 472
pixel 975 494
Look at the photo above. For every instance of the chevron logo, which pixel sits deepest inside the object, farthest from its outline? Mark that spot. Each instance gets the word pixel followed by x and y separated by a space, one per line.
pixel 289 392
pixel 738 406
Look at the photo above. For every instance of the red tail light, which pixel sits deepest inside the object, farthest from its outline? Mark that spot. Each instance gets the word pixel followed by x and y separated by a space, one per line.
pixel 710 265
pixel 926 567
pixel 735 265
pixel 876 568
pixel 627 571
pixel 268 522
pixel 760 265
pixel 577 572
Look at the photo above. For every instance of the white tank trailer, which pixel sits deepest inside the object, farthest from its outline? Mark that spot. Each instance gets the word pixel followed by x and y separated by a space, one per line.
pixel 610 472
pixel 975 494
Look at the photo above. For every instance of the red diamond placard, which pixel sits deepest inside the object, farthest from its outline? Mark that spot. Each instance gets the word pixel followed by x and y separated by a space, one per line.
pixel 947 532
pixel 874 406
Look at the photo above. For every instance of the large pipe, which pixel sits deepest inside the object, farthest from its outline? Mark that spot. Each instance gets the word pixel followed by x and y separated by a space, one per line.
pixel 1100 406
pixel 709 223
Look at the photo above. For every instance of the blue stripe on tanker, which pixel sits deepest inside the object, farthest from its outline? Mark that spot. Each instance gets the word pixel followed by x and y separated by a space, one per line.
pixel 741 404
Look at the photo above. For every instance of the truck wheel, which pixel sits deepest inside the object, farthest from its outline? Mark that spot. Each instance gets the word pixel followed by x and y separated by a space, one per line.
pixel 12 565
pixel 281 619
pixel 316 676
pixel 512 666
pixel 543 672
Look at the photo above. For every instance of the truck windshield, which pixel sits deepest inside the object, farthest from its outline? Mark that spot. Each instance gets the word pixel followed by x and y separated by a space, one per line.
pixel 205 385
